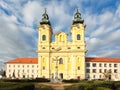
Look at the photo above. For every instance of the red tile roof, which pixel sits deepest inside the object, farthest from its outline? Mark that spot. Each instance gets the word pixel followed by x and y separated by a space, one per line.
pixel 88 59
pixel 24 60
pixel 99 59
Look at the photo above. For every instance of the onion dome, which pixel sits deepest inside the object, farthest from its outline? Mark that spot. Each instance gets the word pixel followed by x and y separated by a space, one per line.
pixel 45 19
pixel 77 18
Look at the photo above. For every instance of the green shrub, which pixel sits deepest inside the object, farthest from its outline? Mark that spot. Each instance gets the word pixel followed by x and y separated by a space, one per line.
pixel 27 80
pixel 103 88
pixel 117 85
pixel 118 88
pixel 71 81
pixel 72 87
pixel 85 86
pixel 16 86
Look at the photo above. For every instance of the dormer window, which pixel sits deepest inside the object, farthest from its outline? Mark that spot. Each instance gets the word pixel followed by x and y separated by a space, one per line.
pixel 43 37
pixel 78 36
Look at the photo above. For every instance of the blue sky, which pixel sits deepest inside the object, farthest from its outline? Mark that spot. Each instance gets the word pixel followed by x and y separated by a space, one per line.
pixel 19 20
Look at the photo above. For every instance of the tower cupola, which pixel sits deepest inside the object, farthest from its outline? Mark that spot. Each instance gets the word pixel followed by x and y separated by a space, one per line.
pixel 77 18
pixel 45 18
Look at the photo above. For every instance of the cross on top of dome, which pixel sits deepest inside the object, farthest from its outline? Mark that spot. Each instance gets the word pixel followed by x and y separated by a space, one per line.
pixel 77 18
pixel 45 18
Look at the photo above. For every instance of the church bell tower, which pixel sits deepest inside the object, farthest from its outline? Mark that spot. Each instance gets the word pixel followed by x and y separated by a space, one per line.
pixel 44 40
pixel 78 41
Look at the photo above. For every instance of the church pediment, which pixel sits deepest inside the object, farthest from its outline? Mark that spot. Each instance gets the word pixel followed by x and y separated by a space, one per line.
pixel 61 37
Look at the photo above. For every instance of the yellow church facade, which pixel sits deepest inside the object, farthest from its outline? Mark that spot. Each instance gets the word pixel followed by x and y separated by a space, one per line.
pixel 61 58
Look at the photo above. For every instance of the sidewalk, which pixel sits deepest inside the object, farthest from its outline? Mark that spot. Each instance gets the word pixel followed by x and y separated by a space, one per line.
pixel 56 86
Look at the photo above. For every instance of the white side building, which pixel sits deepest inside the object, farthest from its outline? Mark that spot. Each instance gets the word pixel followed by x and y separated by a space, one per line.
pixel 22 68
pixel 103 68
pixel 96 68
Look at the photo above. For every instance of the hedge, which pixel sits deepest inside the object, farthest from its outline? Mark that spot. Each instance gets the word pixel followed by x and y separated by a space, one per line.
pixel 103 88
pixel 95 85
pixel 27 80
pixel 71 81
pixel 16 86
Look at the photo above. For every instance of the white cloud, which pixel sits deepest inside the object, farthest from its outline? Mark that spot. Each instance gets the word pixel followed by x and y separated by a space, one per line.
pixel 104 35
pixel 59 16
pixel 16 39
pixel 31 12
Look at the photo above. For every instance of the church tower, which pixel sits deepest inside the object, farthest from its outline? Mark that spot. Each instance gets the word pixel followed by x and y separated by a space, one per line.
pixel 44 40
pixel 78 41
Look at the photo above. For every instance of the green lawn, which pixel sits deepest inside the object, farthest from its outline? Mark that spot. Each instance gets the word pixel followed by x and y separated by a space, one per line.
pixel 81 85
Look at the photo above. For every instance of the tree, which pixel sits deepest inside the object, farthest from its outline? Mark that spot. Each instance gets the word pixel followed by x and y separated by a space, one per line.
pixel 107 74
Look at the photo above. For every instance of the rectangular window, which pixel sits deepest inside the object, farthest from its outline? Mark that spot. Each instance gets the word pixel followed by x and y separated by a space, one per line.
pixel 94 64
pixel 115 70
pixel 100 70
pixel 94 70
pixel 110 65
pixel 32 66
pixel 105 70
pixel 100 65
pixel 105 65
pixel 115 65
pixel 110 71
pixel 87 70
pixel 87 64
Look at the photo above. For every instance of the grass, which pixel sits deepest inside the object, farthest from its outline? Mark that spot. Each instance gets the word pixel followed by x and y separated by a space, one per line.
pixel 81 85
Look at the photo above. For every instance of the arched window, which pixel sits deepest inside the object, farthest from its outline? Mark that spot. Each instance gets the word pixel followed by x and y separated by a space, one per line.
pixel 43 37
pixel 60 38
pixel 60 61
pixel 78 36
pixel 78 67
